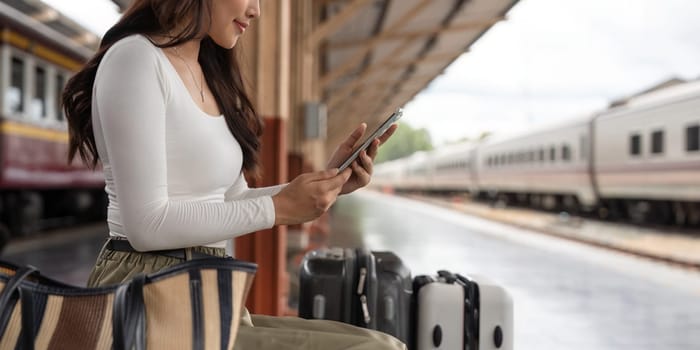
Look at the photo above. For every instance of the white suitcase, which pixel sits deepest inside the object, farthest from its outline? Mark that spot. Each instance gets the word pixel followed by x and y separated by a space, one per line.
pixel 453 312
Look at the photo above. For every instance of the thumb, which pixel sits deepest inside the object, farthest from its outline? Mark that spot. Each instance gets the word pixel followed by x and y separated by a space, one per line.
pixel 323 174
pixel 342 178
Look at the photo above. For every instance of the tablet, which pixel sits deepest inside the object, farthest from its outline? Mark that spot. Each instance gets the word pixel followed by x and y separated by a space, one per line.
pixel 368 141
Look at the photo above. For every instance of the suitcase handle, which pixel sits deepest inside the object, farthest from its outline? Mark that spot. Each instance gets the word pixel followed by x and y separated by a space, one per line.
pixel 471 306
pixel 448 276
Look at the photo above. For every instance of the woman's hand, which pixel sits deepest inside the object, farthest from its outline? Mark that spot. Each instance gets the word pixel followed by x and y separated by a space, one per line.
pixel 362 166
pixel 308 196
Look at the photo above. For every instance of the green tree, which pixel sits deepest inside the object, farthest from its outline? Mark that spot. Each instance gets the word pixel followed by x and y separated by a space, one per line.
pixel 404 142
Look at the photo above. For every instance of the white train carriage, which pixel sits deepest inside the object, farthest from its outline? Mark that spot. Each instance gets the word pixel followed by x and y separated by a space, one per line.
pixel 545 168
pixel 416 171
pixel 450 168
pixel 647 154
pixel 389 175
pixel 639 160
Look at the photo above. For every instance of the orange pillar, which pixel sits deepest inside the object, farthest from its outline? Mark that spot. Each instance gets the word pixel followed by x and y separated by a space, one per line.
pixel 268 248
pixel 265 53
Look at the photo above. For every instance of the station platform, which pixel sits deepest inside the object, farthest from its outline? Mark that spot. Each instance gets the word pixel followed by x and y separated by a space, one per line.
pixel 567 295
pixel 680 246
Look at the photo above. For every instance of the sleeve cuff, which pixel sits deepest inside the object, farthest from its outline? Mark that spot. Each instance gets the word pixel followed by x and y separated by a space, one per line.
pixel 269 209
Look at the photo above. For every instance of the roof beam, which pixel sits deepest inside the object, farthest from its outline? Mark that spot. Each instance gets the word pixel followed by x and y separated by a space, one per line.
pixel 349 88
pixel 46 15
pixel 439 57
pixel 355 113
pixel 420 33
pixel 342 95
pixel 371 44
pixel 331 25
pixel 86 38
pixel 394 81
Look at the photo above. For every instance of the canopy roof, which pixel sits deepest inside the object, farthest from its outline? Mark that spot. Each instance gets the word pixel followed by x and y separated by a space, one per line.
pixel 376 55
pixel 43 20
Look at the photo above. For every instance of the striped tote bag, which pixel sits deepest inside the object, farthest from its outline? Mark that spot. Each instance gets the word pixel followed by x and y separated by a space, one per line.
pixel 193 305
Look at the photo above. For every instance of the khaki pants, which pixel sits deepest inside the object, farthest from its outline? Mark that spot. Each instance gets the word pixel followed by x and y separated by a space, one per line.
pixel 256 332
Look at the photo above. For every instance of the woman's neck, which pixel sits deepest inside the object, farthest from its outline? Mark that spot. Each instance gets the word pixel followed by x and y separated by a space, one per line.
pixel 189 50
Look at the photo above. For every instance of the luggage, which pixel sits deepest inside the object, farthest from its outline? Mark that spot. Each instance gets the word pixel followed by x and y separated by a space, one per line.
pixel 356 286
pixel 195 304
pixel 394 296
pixel 457 312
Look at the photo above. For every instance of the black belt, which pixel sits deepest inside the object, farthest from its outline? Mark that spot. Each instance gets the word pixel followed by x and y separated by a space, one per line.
pixel 122 245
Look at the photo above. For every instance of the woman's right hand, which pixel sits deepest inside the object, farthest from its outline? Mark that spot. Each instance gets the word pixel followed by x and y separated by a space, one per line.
pixel 308 196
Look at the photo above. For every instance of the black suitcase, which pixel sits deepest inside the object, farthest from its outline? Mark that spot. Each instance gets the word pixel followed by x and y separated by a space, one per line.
pixel 356 286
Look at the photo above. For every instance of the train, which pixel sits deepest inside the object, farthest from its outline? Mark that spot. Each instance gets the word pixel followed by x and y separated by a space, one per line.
pixel 636 160
pixel 40 49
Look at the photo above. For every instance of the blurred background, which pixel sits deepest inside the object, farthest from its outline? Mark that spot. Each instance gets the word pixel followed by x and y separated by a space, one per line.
pixel 552 146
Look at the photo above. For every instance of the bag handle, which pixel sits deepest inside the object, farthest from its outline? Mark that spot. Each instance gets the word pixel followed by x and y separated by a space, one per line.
pixel 128 316
pixel 26 296
pixel 13 285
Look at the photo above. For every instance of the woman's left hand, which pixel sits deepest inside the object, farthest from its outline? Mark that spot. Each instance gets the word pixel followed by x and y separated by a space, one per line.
pixel 362 166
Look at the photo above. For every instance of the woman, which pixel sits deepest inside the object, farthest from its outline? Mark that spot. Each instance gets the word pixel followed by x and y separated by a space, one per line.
pixel 175 134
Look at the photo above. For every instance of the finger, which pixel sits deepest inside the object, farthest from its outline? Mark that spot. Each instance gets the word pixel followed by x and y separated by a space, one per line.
pixel 387 134
pixel 322 175
pixel 328 183
pixel 346 174
pixel 355 136
pixel 373 148
pixel 363 176
pixel 339 180
pixel 367 163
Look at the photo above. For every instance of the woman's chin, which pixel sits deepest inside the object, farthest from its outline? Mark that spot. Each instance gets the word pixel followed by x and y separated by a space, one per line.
pixel 227 43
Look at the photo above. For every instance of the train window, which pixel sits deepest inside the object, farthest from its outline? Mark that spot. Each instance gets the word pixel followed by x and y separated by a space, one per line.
pixel 635 144
pixel 541 154
pixel 14 97
pixel 657 142
pixel 565 153
pixel 531 156
pixel 503 159
pixel 552 153
pixel 38 105
pixel 60 81
pixel 692 138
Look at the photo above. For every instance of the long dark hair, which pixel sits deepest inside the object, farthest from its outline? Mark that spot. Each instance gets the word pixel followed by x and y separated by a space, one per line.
pixel 161 17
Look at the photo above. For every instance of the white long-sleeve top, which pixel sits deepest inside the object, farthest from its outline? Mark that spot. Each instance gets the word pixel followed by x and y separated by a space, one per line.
pixel 172 172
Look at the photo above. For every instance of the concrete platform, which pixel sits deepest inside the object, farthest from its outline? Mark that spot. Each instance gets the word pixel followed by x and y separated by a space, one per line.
pixel 567 295
pixel 677 246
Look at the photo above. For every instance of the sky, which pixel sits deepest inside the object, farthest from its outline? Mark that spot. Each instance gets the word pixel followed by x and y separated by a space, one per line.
pixel 549 61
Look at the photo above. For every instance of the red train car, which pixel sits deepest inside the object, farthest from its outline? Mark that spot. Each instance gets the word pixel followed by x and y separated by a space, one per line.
pixel 39 50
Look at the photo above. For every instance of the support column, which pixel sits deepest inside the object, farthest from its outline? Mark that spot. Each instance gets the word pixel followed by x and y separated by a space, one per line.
pixel 304 82
pixel 264 51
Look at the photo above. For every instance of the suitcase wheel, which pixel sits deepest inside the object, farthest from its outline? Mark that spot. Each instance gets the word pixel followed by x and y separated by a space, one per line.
pixel 437 336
